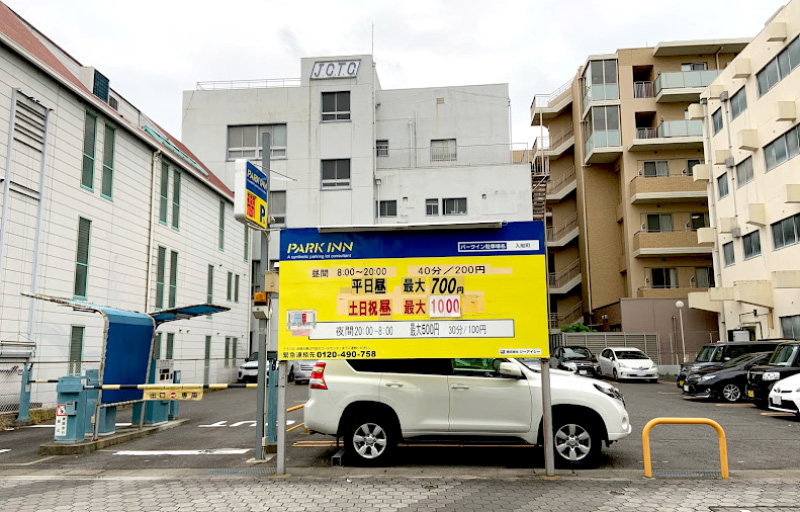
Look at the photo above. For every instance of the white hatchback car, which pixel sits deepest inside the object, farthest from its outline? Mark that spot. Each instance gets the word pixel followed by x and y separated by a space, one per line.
pixel 627 363
pixel 785 395
pixel 375 404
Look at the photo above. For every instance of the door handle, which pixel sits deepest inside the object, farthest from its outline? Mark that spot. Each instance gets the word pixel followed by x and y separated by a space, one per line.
pixel 459 386
pixel 394 384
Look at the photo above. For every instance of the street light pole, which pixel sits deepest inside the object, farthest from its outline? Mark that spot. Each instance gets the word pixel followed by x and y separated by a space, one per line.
pixel 680 305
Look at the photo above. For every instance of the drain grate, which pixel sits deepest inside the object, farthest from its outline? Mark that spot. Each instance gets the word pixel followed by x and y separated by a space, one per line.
pixel 687 474
pixel 254 471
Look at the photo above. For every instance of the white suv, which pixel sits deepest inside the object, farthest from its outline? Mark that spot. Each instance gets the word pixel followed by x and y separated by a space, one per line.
pixel 374 404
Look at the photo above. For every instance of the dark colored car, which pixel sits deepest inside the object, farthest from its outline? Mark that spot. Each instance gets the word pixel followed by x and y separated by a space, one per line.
pixel 726 381
pixel 574 359
pixel 717 353
pixel 785 361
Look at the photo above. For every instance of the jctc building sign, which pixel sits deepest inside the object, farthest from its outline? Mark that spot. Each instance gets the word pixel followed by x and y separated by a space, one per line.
pixel 335 69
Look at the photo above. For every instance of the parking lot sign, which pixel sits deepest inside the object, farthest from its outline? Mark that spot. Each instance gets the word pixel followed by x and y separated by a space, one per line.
pixel 251 188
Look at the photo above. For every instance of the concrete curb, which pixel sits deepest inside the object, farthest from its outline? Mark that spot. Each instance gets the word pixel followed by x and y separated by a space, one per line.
pixel 90 446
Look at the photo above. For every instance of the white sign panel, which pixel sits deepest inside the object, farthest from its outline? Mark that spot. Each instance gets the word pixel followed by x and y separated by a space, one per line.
pixel 335 69
pixel 416 329
pixel 61 420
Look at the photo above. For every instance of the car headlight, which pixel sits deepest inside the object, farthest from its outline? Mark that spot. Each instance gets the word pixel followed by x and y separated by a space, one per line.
pixel 770 376
pixel 610 391
pixel 623 366
pixel 708 377
pixel 571 367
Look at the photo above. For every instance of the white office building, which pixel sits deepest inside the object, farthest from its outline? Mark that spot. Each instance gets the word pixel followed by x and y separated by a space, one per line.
pixel 101 204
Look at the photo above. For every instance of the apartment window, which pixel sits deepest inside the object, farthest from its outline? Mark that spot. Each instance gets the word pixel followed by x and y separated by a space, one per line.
pixel 699 220
pixel 778 68
pixel 694 66
pixel 170 346
pixel 722 185
pixel 704 277
pixel 716 120
pixel 752 245
pixel 387 208
pixel 744 172
pixel 603 128
pixel 602 80
pixel 76 349
pixel 431 207
pixel 163 194
pixel 738 103
pixel 234 347
pixel 236 288
pixel 221 238
pixel 245 141
pixel 690 165
pixel 336 106
pixel 443 150
pixel 783 148
pixel 176 198
pixel 207 362
pixel 658 168
pixel 161 266
pixel 107 185
pixel 664 277
pixel 336 173
pixel 227 352
pixel 113 102
pixel 786 232
pixel 82 258
pixel 173 279
pixel 210 286
pixel 277 207
pixel 790 326
pixel 454 206
pixel 229 292
pixel 89 140
pixel 727 252
pixel 659 223
pixel 156 347
pixel 381 148
pixel 246 242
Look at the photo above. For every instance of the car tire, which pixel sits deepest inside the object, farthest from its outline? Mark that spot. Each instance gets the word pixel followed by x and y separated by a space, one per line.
pixel 653 381
pixel 290 377
pixel 614 374
pixel 370 440
pixel 576 442
pixel 731 392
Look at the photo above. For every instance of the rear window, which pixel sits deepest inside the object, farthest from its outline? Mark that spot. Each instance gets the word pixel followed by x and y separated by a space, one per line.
pixel 419 366
pixel 631 354
pixel 706 354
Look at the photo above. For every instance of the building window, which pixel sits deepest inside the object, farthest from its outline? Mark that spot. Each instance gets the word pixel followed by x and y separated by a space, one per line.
pixel 246 242
pixel 722 185
pixel 176 199
pixel 387 208
pixel 89 141
pixel 727 252
pixel 443 150
pixel 778 68
pixel 236 289
pixel 738 103
pixel 207 362
pixel 601 80
pixel 381 148
pixel 699 220
pixel 82 258
pixel 603 128
pixel 221 238
pixel 690 165
pixel 245 141
pixel 76 349
pixel 432 207
pixel 163 194
pixel 229 292
pixel 156 347
pixel 277 208
pixel 786 232
pixel 658 169
pixel 336 106
pixel 790 326
pixel 161 266
pixel 227 359
pixel 664 277
pixel 107 185
pixel 454 206
pixel 210 286
pixel 113 102
pixel 704 277
pixel 659 223
pixel 336 173
pixel 173 279
pixel 694 66
pixel 716 119
pixel 744 172
pixel 234 347
pixel 752 245
pixel 781 149
pixel 170 346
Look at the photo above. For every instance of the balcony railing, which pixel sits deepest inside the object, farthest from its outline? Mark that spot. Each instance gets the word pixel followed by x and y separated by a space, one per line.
pixel 670 129
pixel 549 142
pixel 559 279
pixel 458 156
pixel 572 315
pixel 556 232
pixel 665 241
pixel 643 90
pixel 562 181
pixel 548 100
pixel 664 292
pixel 684 79
pixel 665 184
pixel 249 84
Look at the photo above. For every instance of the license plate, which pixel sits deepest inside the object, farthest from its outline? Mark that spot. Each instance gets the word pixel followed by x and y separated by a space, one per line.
pixel 777 400
pixel 750 393
pixel 686 388
pixel 680 383
pixel 582 372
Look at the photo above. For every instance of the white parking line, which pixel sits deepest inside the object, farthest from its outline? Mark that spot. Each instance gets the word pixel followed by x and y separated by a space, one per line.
pixel 216 451
pixel 4 450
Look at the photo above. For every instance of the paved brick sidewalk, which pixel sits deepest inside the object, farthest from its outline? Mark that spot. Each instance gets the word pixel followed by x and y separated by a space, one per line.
pixel 261 493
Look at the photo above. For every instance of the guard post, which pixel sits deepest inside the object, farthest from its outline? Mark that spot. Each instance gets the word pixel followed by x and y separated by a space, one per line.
pixel 70 410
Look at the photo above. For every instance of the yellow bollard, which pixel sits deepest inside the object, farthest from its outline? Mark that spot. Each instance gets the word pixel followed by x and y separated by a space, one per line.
pixel 723 446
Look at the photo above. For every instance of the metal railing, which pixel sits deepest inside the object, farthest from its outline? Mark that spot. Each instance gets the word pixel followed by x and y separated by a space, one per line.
pixel 551 142
pixel 545 100
pixel 248 84
pixel 559 279
pixel 572 315
pixel 643 90
pixel 646 133
pixel 555 186
pixel 556 232
pixel 473 155
pixel 683 79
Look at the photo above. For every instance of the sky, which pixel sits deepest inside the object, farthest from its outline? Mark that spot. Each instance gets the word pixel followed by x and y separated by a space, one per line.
pixel 153 50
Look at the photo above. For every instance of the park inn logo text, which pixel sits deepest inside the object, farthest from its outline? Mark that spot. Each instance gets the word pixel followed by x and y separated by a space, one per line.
pixel 320 250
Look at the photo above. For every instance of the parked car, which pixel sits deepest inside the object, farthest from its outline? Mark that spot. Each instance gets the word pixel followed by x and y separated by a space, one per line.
pixel 726 381
pixel 248 370
pixel 627 363
pixel 716 353
pixel 785 395
pixel 300 371
pixel 375 404
pixel 785 361
pixel 575 359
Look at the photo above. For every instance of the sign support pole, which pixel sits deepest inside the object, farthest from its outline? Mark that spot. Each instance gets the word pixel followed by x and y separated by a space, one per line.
pixel 263 325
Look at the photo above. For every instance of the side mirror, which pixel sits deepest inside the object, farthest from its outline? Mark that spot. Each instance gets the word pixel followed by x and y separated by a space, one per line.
pixel 510 370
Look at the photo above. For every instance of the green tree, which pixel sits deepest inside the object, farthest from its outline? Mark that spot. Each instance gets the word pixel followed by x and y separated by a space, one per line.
pixel 576 327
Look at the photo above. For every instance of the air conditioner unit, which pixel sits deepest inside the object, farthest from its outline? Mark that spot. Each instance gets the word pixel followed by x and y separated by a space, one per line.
pixel 723 96
pixel 736 232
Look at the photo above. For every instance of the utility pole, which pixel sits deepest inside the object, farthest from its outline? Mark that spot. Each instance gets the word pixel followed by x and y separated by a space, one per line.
pixel 263 328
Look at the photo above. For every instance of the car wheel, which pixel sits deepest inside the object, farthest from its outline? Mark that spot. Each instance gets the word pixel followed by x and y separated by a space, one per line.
pixel 616 377
pixel 731 392
pixel 370 441
pixel 290 377
pixel 576 442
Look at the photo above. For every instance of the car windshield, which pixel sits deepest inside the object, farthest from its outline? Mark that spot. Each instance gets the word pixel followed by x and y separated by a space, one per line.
pixel 630 354
pixel 705 355
pixel 577 353
pixel 739 360
pixel 253 357
pixel 784 355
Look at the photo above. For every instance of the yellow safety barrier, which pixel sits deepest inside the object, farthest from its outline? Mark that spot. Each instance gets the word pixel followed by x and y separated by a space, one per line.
pixel 290 409
pixel 723 447
pixel 294 427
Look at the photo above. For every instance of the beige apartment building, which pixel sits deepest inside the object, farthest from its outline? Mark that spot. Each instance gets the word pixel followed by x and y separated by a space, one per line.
pixel 622 207
pixel 750 116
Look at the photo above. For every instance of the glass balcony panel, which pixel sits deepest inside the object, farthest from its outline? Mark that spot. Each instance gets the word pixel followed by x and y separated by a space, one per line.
pixel 679 79
pixel 681 128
